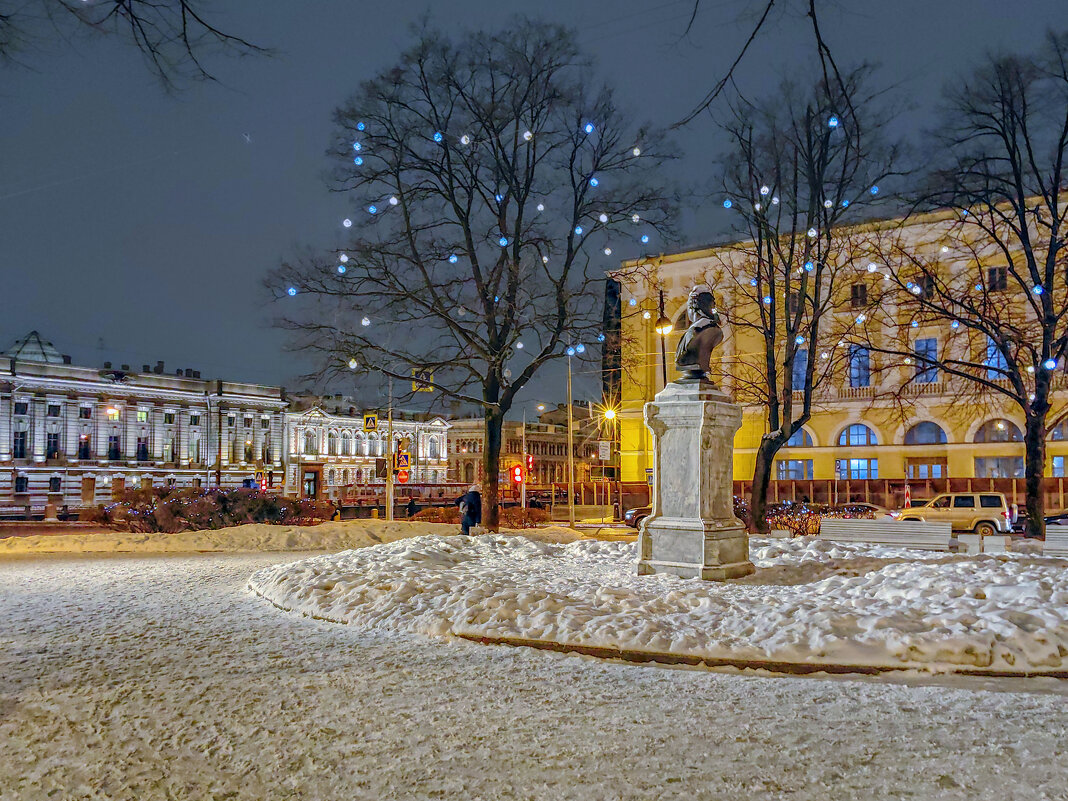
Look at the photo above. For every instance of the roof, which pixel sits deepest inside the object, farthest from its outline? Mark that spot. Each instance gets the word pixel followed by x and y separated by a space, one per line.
pixel 32 348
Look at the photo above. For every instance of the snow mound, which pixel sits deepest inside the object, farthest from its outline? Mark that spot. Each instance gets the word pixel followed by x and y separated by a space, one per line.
pixel 810 601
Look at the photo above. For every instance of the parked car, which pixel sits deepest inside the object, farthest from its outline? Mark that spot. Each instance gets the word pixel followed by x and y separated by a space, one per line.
pixel 634 517
pixel 986 513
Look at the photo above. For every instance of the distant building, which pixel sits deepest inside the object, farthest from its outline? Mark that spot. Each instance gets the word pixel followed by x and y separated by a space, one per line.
pixel 77 436
pixel 546 442
pixel 329 455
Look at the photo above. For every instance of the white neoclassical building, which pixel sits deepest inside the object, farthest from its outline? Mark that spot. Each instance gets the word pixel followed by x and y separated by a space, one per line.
pixel 77 436
pixel 329 455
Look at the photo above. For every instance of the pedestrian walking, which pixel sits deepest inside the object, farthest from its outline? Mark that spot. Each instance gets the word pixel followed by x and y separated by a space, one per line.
pixel 470 510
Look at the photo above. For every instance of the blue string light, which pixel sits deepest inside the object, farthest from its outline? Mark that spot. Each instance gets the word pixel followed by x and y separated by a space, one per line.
pixel 600 337
pixel 955 324
pixel 341 269
pixel 594 182
pixel 580 348
pixel 589 127
pixel 578 230
pixel 1050 364
pixel 570 351
pixel 498 198
pixel 645 239
pixel 372 209
pixel 799 339
pixel 752 282
pixel 727 203
pixel 453 259
pixel 875 190
pixel 437 136
pixel 808 266
pixel 358 161
pixel 915 324
pixel 503 241
pixel 633 301
pixel 845 204
pixel 832 122
pixel 291 291
pixel 357 146
pixel 360 126
pixel 1038 290
pixel 767 300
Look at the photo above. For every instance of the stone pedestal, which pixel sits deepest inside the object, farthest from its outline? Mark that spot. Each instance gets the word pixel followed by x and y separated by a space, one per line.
pixel 692 530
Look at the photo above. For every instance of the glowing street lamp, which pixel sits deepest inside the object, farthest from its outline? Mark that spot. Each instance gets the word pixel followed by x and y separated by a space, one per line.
pixel 663 326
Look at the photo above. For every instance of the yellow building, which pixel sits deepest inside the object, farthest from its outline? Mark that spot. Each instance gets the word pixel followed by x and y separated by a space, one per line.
pixel 935 431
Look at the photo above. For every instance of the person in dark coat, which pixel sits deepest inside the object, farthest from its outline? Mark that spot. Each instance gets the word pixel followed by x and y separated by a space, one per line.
pixel 470 510
pixel 412 508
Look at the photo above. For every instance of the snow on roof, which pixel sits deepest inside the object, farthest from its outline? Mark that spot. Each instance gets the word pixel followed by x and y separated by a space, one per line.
pixel 32 348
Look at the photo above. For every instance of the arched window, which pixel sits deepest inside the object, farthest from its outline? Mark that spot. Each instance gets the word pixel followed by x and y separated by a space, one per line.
pixel 925 433
pixel 331 444
pixel 309 442
pixel 998 431
pixel 801 439
pixel 346 444
pixel 435 448
pixel 330 475
pixel 857 434
pixel 1059 433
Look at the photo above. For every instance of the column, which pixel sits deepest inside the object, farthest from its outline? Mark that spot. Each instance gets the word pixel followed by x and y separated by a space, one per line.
pixel 37 428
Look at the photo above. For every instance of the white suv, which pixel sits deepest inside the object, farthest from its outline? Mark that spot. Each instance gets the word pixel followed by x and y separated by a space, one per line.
pixel 985 513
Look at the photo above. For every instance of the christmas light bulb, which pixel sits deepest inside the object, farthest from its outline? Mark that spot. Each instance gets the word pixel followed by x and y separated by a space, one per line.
pixel 372 209
pixel 580 348
pixel 727 203
pixel 645 239
pixel 594 182
pixel 541 207
pixel 366 321
pixel 357 146
pixel 764 190
pixel 767 300
pixel 570 351
pixel 811 232
pixel 832 122
pixel 347 222
pixel 635 218
pixel 646 314
pixel 808 266
pixel 343 258
pixel 871 267
pixel 875 190
pixel 1050 364
pixel 636 151
pixel 544 259
pixel 360 126
pixel 353 364
pixel 519 345
pixel 827 204
pixel 527 136
pixel 1038 290
pixel 465 140
pixel 341 269
pixel 358 161
pixel 291 291
pixel 393 201
pixel 578 230
pixel 437 136
pixel 775 200
pixel 600 337
pixel 503 241
pixel 608 251
pixel 603 217
pixel 589 128
pixel 799 339
pixel 633 301
pixel 752 282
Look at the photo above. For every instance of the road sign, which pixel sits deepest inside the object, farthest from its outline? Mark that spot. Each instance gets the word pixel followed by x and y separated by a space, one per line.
pixel 381 470
pixel 604 450
pixel 404 460
pixel 402 476
pixel 908 497
pixel 422 380
pixel 649 476
pixel 370 422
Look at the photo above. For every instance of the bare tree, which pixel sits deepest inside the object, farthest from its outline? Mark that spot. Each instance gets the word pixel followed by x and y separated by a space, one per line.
pixel 804 164
pixel 173 35
pixel 491 172
pixel 992 276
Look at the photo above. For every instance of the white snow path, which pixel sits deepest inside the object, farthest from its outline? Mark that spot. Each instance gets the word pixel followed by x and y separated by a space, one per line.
pixel 811 601
pixel 165 678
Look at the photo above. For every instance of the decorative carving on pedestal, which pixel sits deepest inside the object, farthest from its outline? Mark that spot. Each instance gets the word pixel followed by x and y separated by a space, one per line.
pixel 692 530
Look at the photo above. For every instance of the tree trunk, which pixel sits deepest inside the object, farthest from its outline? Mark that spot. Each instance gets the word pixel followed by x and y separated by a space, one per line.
pixel 1034 467
pixel 491 462
pixel 758 497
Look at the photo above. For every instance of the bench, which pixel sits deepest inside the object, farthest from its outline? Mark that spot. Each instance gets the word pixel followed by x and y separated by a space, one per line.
pixel 975 543
pixel 1056 541
pixel 900 534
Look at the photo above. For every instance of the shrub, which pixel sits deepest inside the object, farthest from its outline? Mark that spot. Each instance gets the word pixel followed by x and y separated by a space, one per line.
pixel 518 517
pixel 439 514
pixel 170 510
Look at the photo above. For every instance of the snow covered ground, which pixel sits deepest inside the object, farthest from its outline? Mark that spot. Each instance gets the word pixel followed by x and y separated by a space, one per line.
pixel 811 601
pixel 250 538
pixel 163 678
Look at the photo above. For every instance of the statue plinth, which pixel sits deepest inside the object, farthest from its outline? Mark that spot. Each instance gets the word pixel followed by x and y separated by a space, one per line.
pixel 692 531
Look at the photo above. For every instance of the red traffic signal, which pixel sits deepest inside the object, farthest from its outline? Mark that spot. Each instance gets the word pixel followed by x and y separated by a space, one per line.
pixel 530 462
pixel 517 474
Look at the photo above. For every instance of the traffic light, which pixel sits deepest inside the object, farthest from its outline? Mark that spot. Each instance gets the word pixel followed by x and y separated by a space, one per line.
pixel 530 463
pixel 517 474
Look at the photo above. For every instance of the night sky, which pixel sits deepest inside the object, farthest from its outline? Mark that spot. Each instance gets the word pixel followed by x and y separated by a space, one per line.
pixel 136 225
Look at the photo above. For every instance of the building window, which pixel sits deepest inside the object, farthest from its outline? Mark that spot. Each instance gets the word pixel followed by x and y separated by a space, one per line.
pixel 54 409
pixel 22 407
pixel 84 445
pixel 331 445
pixel 309 442
pixel 22 484
pixel 194 419
pixel 194 450
pixel 926 352
pixel 925 467
pixel 858 295
pixel 113 414
pixel 230 420
pixel 925 433
pixel 800 439
pixel 859 366
pixel 265 422
pixel 248 422
pixel 435 448
pixel 793 303
pixel 168 418
pixel 862 468
pixel 142 415
pixel 927 285
pixel 52 445
pixel 999 467
pixel 142 449
pixel 793 469
pixel 168 449
pixel 995 360
pixel 800 373
pixel 1058 467
pixel 18 445
pixel 114 447
pixel 85 413
pixel 857 434
pixel 54 484
pixel 198 483
pixel 265 453
pixel 998 431
pixel 250 455
pixel 172 482
pixel 997 279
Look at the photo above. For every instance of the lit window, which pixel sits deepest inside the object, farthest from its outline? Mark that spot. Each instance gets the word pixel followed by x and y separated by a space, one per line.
pixel 998 431
pixel 194 419
pixel 142 415
pixel 862 468
pixel 857 434
pixel 1058 467
pixel 800 439
pixel 85 413
pixel 168 418
pixel 926 433
pixel 793 469
pixel 926 352
pixel 859 366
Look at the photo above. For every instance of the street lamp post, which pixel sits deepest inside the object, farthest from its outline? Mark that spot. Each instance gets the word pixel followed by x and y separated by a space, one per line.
pixel 571 351
pixel 663 328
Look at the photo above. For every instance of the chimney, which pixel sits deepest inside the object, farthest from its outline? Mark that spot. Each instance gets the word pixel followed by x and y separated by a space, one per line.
pixel 189 371
pixel 158 369
pixel 107 365
pixel 66 359
pixel 146 368
pixel 179 372
pixel 126 368
pixel 196 374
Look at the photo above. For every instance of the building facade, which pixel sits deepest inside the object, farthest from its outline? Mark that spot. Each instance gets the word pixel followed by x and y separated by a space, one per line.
pixel 546 442
pixel 869 420
pixel 77 436
pixel 330 455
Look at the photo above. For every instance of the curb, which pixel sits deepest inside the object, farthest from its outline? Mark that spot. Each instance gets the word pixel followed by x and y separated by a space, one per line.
pixel 792 668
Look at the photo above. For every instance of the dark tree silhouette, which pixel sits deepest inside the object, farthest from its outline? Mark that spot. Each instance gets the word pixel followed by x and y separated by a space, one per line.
pixel 992 275
pixel 173 35
pixel 492 176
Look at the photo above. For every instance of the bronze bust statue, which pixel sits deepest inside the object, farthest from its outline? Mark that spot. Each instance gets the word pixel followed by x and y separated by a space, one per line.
pixel 694 352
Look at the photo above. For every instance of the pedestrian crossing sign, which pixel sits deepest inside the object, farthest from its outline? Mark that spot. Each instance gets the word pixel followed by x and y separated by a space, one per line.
pixel 370 422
